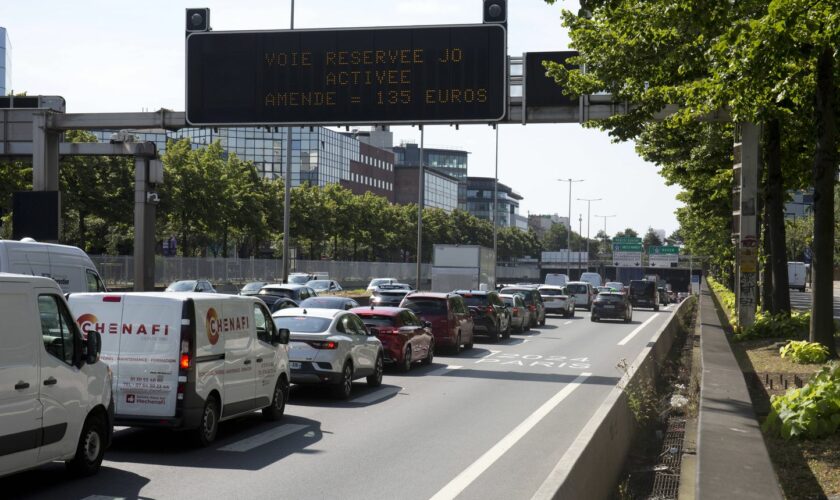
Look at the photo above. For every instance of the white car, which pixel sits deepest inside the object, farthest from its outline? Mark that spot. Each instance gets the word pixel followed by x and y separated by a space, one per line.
pixel 557 301
pixel 331 347
pixel 375 282
pixel 582 292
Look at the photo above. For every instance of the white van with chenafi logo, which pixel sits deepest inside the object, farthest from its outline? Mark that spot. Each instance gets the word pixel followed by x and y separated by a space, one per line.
pixel 68 266
pixel 188 360
pixel 55 395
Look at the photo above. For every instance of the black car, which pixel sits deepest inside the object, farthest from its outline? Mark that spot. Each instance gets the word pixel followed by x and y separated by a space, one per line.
pixel 643 293
pixel 345 303
pixel 663 296
pixel 273 293
pixel 612 305
pixel 278 303
pixel 252 288
pixel 490 316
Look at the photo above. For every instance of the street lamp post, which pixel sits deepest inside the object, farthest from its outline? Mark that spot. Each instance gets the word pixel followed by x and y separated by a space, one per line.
pixel 287 189
pixel 569 232
pixel 588 221
pixel 580 231
pixel 605 217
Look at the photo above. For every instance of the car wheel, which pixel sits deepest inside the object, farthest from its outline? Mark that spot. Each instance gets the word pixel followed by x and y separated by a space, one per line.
pixel 467 346
pixel 542 323
pixel 526 325
pixel 345 386
pixel 655 308
pixel 406 364
pixel 430 356
pixel 278 402
pixel 91 448
pixel 375 380
pixel 506 333
pixel 594 319
pixel 494 335
pixel 209 424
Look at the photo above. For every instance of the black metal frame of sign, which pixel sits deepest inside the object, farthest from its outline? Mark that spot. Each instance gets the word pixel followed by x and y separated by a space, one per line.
pixel 371 76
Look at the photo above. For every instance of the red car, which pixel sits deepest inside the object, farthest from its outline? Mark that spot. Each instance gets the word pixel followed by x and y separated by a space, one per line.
pixel 452 324
pixel 405 338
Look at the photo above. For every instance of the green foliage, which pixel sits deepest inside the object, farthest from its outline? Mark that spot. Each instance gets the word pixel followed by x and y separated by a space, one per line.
pixel 811 412
pixel 804 352
pixel 780 325
pixel 725 296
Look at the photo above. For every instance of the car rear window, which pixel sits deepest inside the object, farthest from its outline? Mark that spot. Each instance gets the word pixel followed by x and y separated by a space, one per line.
pixel 378 320
pixel 576 288
pixel 608 297
pixel 475 300
pixel 546 291
pixel 527 294
pixel 509 301
pixel 303 324
pixel 278 292
pixel 398 293
pixel 641 286
pixel 426 306
pixel 324 302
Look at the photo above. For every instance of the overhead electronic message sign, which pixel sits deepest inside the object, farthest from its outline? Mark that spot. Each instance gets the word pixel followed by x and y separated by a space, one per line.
pixel 541 90
pixel 437 74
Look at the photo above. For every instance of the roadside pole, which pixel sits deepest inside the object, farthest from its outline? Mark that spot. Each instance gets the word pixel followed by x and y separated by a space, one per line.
pixel 287 188
pixel 420 193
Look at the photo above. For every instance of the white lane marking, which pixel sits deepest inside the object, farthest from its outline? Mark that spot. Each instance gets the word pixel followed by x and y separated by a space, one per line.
pixel 376 395
pixel 262 438
pixel 637 330
pixel 568 322
pixel 465 478
pixel 102 497
pixel 442 370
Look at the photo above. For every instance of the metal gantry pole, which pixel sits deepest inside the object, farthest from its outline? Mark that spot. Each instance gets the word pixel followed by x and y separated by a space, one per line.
pixel 580 230
pixel 569 232
pixel 287 189
pixel 496 199
pixel 588 223
pixel 420 195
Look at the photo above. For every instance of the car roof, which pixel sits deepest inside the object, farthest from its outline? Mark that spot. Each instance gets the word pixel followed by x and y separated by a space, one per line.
pixel 578 283
pixel 616 294
pixel 474 292
pixel 431 295
pixel 511 295
pixel 302 311
pixel 384 311
pixel 287 286
pixel 550 287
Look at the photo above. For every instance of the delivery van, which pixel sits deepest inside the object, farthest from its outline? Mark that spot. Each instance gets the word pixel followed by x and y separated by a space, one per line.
pixel 70 267
pixel 55 394
pixel 797 275
pixel 188 360
pixel 556 279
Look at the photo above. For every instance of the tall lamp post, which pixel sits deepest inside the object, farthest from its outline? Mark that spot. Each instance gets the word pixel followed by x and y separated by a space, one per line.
pixel 287 189
pixel 588 221
pixel 605 217
pixel 569 232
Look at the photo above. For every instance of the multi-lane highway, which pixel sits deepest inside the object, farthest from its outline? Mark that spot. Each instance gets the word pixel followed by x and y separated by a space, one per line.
pixel 489 423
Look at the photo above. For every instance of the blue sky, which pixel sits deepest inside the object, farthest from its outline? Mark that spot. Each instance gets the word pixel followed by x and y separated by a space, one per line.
pixel 106 56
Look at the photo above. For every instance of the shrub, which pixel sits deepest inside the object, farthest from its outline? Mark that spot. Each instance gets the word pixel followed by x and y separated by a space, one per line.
pixel 725 295
pixel 802 351
pixel 783 326
pixel 811 412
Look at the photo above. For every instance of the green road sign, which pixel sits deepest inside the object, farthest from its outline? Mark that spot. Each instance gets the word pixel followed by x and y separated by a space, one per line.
pixel 627 240
pixel 627 247
pixel 668 250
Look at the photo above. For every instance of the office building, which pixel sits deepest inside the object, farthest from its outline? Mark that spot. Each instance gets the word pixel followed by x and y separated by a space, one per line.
pixel 5 62
pixel 440 190
pixel 480 202
pixel 451 162
pixel 541 223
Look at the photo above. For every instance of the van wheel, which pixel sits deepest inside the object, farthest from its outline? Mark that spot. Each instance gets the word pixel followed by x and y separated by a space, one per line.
pixel 375 380
pixel 91 448
pixel 345 386
pixel 209 425
pixel 278 401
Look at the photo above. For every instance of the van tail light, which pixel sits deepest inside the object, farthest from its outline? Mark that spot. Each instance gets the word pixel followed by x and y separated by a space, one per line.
pixel 184 364
pixel 323 344
pixel 185 354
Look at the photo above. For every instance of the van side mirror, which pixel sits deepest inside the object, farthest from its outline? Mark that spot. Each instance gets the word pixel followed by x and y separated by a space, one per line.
pixel 282 336
pixel 92 347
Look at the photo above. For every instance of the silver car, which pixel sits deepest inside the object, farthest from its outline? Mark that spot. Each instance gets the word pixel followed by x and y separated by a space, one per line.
pixel 330 347
pixel 557 300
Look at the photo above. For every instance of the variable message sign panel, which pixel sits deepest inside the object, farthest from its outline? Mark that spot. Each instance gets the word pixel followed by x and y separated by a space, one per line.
pixel 437 74
pixel 541 90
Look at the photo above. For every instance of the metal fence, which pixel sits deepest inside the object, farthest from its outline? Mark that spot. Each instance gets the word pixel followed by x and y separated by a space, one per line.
pixel 118 270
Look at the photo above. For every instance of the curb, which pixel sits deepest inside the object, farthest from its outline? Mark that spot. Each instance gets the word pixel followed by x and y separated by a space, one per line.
pixel 592 464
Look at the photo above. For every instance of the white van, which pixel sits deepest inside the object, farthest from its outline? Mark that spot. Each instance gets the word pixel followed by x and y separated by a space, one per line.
pixel 797 275
pixel 55 395
pixel 188 360
pixel 593 279
pixel 70 267
pixel 556 279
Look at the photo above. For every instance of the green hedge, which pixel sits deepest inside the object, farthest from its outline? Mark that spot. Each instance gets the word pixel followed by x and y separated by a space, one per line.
pixel 810 412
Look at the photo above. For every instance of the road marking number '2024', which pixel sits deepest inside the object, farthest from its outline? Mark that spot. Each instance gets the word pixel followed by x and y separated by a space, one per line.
pixel 536 360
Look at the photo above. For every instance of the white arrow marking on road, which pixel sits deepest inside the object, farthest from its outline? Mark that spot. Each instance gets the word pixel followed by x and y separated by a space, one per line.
pixel 376 395
pixel 442 370
pixel 568 322
pixel 632 334
pixel 262 438
pixel 465 478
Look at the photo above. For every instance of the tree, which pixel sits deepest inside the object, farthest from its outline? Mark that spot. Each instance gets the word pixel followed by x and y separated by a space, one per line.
pixel 627 233
pixel 16 176
pixel 651 239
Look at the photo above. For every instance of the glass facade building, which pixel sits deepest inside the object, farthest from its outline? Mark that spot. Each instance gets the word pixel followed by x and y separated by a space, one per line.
pixel 5 62
pixel 451 162
pixel 320 156
pixel 480 202
pixel 439 190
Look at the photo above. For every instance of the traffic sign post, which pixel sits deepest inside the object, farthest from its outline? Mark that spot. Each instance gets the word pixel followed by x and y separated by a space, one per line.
pixel 412 75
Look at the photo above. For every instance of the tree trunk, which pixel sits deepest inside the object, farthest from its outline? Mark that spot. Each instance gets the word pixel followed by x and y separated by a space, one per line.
pixel 82 229
pixel 225 242
pixel 767 269
pixel 776 216
pixel 825 161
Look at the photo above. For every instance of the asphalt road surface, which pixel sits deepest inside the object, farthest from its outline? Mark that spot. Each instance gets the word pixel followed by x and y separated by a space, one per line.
pixel 489 423
pixel 802 301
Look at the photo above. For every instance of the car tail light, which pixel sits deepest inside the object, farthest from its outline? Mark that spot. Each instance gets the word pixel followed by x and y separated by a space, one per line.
pixel 185 361
pixel 111 298
pixel 323 344
pixel 490 310
pixel 532 307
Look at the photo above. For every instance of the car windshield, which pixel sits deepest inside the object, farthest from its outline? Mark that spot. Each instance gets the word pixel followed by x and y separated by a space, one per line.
pixel 615 285
pixel 324 302
pixel 298 279
pixel 641 286
pixel 380 281
pixel 524 292
pixel 278 292
pixel 253 287
pixel 426 306
pixel 303 324
pixel 319 284
pixel 509 301
pixel 475 300
pixel 181 286
pixel 393 293
pixel 378 320
pixel 576 288
pixel 609 297
pixel 550 291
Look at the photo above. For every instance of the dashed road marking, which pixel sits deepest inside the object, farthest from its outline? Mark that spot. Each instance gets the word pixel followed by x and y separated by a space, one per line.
pixel 465 478
pixel 638 329
pixel 442 370
pixel 568 322
pixel 377 395
pixel 262 438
